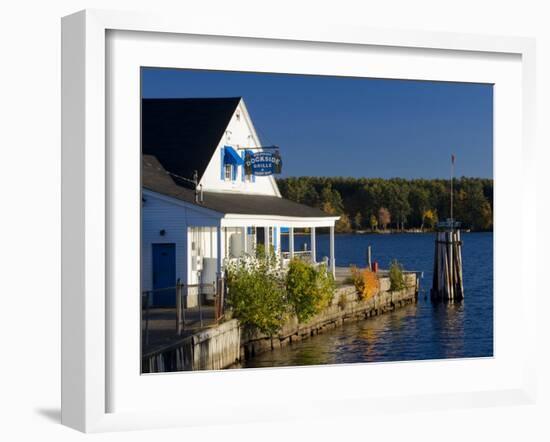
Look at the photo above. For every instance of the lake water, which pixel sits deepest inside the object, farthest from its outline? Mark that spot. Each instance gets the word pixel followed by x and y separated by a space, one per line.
pixel 421 331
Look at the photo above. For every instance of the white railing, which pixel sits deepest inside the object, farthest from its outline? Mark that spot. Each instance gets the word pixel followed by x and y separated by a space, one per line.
pixel 302 254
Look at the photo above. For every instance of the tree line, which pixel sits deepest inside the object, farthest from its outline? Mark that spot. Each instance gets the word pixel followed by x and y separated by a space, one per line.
pixel 395 204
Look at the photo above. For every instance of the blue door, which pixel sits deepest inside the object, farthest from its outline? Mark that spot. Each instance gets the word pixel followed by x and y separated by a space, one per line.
pixel 164 274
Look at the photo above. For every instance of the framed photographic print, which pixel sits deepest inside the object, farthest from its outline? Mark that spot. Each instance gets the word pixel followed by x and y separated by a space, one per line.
pixel 291 215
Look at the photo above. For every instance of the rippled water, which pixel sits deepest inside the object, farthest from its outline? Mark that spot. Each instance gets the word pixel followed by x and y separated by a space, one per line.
pixel 420 331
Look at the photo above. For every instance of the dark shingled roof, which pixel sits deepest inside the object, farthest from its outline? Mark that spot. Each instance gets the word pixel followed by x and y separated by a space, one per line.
pixel 183 133
pixel 154 177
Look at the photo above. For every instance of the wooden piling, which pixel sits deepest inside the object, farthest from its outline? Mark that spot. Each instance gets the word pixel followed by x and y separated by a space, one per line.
pixel 447 284
pixel 369 258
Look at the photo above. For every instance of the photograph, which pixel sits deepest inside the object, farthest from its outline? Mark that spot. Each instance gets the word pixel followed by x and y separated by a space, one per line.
pixel 231 221
pixel 292 220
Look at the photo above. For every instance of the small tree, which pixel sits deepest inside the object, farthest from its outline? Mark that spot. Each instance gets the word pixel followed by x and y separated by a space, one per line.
pixel 429 219
pixel 397 280
pixel 373 223
pixel 310 289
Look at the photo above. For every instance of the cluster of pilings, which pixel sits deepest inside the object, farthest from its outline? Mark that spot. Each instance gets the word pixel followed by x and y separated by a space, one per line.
pixel 447 276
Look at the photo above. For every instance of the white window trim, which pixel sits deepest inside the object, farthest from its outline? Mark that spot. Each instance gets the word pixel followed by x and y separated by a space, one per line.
pixel 226 168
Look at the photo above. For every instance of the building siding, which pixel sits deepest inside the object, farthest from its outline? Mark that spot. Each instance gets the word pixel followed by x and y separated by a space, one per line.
pixel 239 134
pixel 159 214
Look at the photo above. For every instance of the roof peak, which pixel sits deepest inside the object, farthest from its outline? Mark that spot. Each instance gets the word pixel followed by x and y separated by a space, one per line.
pixel 183 133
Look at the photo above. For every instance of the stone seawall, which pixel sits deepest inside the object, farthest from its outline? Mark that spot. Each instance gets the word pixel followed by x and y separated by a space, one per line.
pixel 228 344
pixel 346 307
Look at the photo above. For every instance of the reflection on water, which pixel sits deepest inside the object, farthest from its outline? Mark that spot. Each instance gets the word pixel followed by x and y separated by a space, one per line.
pixel 421 331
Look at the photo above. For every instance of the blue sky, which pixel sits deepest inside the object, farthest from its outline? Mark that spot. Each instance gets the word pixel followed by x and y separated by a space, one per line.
pixel 360 127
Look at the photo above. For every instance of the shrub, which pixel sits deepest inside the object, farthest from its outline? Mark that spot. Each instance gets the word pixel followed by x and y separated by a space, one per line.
pixel 256 293
pixel 397 281
pixel 357 279
pixel 309 289
pixel 365 281
pixel 325 287
pixel 371 284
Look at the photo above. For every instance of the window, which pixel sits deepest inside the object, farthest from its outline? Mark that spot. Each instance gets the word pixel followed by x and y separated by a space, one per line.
pixel 228 172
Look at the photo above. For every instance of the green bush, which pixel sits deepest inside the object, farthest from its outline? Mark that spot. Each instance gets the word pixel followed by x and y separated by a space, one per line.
pixel 256 293
pixel 397 280
pixel 261 296
pixel 309 289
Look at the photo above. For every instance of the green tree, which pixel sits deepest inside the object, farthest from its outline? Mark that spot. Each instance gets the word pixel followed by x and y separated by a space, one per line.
pixel 406 200
pixel 358 220
pixel 419 201
pixel 332 197
pixel 472 207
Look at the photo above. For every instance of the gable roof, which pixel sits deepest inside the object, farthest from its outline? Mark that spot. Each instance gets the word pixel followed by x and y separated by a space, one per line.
pixel 155 178
pixel 183 133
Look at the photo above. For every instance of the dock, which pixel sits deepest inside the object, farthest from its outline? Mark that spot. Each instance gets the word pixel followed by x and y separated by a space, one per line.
pixel 227 344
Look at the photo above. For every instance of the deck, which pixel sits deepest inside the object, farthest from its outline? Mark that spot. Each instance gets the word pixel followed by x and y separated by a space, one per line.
pixel 342 275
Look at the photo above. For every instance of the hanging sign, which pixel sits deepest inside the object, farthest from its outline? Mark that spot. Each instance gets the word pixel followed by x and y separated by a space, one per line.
pixel 263 163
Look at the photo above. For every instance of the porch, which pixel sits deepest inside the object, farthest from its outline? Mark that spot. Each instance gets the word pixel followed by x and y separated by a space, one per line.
pixel 212 248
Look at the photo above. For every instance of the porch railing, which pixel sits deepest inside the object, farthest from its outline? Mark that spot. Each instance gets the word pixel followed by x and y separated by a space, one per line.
pixel 302 254
pixel 195 306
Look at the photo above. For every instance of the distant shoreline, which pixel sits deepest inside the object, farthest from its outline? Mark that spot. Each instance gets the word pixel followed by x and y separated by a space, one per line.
pixel 386 232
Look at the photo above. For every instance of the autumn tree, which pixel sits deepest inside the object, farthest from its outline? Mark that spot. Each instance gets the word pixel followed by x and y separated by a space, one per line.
pixel 429 218
pixel 343 225
pixel 373 222
pixel 384 217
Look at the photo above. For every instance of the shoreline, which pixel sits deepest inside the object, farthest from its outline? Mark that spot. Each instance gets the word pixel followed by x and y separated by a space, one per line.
pixel 386 232
pixel 228 345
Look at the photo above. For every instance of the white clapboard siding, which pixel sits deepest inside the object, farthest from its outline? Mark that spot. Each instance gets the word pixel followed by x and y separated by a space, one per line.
pixel 159 213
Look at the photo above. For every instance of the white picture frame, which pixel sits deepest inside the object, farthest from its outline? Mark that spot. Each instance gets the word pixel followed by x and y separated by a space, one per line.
pixel 90 170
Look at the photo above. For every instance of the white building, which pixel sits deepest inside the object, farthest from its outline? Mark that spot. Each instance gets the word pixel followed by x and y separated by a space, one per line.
pixel 187 233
